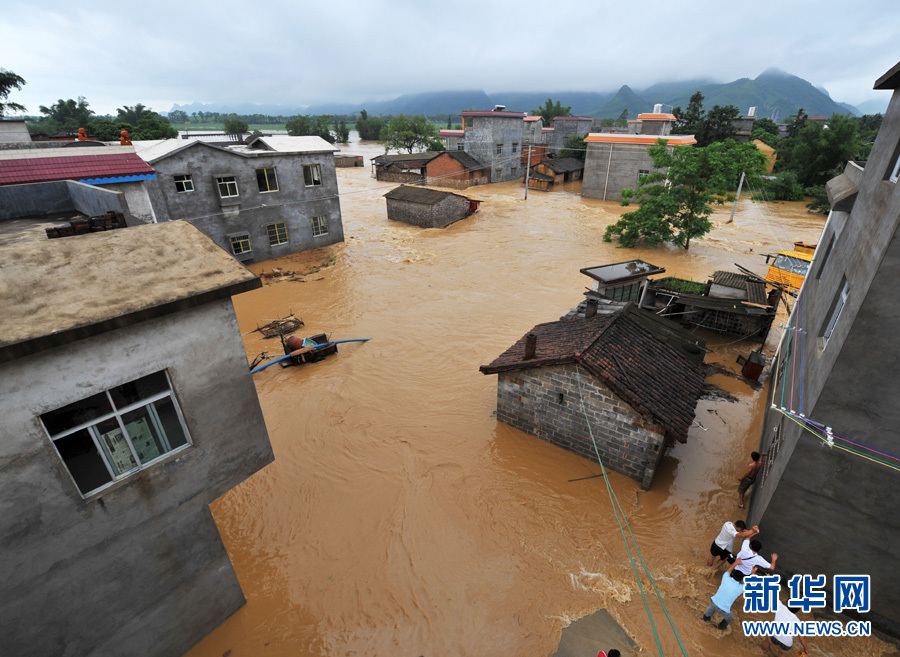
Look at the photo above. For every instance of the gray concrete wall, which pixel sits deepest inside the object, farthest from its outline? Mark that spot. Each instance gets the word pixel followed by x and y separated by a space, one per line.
pixel 40 199
pixel 293 204
pixel 564 129
pixel 483 137
pixel 443 213
pixel 822 509
pixel 627 160
pixel 138 569
pixel 138 200
pixel 529 401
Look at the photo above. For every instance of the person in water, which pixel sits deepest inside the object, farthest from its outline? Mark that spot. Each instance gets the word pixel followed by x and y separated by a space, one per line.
pixel 750 476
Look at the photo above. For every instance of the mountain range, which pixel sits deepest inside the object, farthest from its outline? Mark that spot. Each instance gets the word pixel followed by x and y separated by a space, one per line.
pixel 774 93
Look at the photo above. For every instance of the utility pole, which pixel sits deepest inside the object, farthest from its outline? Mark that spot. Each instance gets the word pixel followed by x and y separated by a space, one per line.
pixel 527 171
pixel 738 198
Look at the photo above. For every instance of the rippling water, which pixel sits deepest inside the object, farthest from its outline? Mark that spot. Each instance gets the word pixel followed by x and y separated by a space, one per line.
pixel 399 517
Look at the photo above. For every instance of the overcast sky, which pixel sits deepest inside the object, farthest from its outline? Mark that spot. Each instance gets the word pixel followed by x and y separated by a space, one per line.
pixel 303 53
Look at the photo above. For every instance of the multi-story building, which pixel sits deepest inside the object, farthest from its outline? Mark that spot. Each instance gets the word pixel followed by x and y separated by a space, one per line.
pixel 126 407
pixel 828 489
pixel 271 197
pixel 495 139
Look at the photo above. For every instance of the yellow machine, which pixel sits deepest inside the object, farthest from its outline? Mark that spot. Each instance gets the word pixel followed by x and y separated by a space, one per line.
pixel 790 267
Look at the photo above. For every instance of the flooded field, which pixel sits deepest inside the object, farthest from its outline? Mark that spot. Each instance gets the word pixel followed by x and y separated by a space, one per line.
pixel 400 518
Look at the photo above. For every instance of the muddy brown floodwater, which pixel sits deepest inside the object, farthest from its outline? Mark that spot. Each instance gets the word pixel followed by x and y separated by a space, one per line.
pixel 399 517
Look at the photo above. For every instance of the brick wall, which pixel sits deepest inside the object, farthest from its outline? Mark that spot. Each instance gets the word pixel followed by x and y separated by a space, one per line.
pixel 444 171
pixel 545 402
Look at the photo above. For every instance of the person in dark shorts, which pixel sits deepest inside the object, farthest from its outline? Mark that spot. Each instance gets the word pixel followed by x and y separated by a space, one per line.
pixel 721 547
pixel 750 476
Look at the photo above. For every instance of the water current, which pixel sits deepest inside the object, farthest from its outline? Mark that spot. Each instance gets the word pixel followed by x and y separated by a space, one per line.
pixel 400 518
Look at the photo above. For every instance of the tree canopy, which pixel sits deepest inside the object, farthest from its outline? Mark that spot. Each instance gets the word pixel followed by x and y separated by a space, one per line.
pixel 816 153
pixel 677 199
pixel 8 82
pixel 66 115
pixel 706 126
pixel 233 125
pixel 316 126
pixel 550 110
pixel 369 127
pixel 409 133
pixel 574 146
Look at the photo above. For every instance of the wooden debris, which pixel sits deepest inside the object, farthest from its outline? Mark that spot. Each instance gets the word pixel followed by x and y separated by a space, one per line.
pixel 281 326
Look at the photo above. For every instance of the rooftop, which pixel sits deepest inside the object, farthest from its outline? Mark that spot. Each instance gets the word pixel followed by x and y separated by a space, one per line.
pixel 642 369
pixel 650 116
pixel 629 138
pixel 59 291
pixel 564 165
pixel 621 272
pixel 503 114
pixel 94 166
pixel 421 195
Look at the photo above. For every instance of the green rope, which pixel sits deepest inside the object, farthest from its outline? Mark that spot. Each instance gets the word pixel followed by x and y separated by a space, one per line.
pixel 617 508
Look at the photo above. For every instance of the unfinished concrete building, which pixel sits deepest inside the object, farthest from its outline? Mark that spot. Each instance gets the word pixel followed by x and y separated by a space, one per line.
pixel 495 139
pixel 269 198
pixel 126 407
pixel 831 429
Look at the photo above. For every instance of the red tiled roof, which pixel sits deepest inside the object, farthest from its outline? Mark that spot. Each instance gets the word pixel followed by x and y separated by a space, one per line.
pixel 655 379
pixel 78 167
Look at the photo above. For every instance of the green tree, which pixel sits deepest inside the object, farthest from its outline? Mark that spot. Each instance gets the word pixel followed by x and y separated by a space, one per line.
pixel 622 121
pixel 550 110
pixel 677 199
pixel 816 153
pixel 316 126
pixel 369 128
pixel 707 127
pixel 103 129
pixel 66 115
pixel 234 126
pixel 8 82
pixel 574 146
pixel 409 133
pixel 178 116
pixel 341 132
pixel 133 115
pixel 153 126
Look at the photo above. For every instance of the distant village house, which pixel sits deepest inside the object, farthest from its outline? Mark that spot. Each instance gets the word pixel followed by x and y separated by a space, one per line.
pixel 428 208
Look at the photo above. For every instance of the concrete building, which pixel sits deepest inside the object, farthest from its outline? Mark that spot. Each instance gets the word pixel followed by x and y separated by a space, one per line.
pixel 269 198
pixel 835 366
pixel 495 139
pixel 454 140
pixel 428 208
pixel 744 126
pixel 456 169
pixel 14 131
pixel 113 167
pixel 564 127
pixel 639 392
pixel 533 130
pixel 126 407
pixel 617 161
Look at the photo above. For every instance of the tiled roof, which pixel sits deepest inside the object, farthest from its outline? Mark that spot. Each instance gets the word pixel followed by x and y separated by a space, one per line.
pixel 565 164
pixel 655 379
pixel 418 195
pixel 465 159
pixel 406 158
pixel 82 167
pixel 756 289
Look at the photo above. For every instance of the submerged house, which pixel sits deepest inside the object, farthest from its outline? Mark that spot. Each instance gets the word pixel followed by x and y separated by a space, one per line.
pixel 402 167
pixel 639 391
pixel 552 173
pixel 126 408
pixel 265 199
pixel 428 208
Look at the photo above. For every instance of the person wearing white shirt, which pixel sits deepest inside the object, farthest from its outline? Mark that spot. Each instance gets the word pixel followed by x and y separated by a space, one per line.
pixel 721 548
pixel 784 641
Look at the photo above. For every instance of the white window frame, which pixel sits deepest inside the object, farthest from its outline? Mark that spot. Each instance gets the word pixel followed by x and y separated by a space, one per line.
pixel 266 172
pixel 315 175
pixel 515 147
pixel 499 149
pixel 238 240
pixel 117 414
pixel 273 230
pixel 895 173
pixel 186 183
pixel 319 225
pixel 226 183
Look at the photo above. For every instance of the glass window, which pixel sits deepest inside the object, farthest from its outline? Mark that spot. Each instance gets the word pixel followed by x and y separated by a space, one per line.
pixel 113 434
pixel 277 234
pixel 311 175
pixel 460 146
pixel 895 172
pixel 515 147
pixel 791 264
pixel 227 186
pixel 184 183
pixel 240 244
pixel 499 149
pixel 836 307
pixel 319 226
pixel 267 180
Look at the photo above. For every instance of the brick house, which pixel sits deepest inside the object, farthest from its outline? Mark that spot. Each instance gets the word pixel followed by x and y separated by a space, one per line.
pixel 456 169
pixel 639 391
pixel 402 167
pixel 428 208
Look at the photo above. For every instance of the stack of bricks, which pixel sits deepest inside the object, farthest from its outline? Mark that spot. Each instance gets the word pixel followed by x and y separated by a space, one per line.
pixel 81 225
